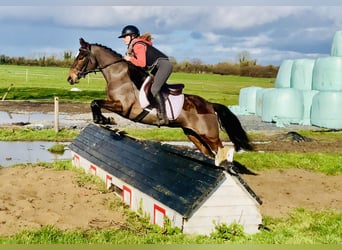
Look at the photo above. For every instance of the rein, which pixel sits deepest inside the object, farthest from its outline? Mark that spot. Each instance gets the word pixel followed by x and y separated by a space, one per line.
pixel 84 72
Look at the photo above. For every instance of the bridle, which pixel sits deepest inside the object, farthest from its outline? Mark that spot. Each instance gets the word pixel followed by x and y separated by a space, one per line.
pixel 89 56
pixel 83 70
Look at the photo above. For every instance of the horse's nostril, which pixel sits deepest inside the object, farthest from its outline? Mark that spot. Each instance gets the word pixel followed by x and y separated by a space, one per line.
pixel 69 79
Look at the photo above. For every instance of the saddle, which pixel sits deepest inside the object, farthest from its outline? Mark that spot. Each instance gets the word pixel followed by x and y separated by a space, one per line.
pixel 172 93
pixel 166 90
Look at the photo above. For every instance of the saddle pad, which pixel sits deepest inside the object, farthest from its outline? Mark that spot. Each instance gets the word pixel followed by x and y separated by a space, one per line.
pixel 173 104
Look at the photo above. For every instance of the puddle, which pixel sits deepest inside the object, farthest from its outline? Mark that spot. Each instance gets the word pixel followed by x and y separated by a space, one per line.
pixel 8 118
pixel 29 152
pixel 44 119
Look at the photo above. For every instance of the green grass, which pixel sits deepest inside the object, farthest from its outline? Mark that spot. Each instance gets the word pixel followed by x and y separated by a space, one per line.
pixel 302 227
pixel 157 134
pixel 327 163
pixel 48 94
pixel 43 83
pixel 218 88
pixel 57 148
pixel 44 77
pixel 29 134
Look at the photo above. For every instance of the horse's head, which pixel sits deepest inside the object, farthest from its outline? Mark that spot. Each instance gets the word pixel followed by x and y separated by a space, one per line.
pixel 83 64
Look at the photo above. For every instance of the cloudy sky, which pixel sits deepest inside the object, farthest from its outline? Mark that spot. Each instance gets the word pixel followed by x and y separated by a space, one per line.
pixel 213 33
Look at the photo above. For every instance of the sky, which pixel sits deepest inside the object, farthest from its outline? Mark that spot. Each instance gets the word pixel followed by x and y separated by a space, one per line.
pixel 210 31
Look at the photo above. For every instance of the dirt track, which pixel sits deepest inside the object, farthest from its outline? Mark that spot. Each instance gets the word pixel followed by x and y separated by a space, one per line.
pixel 32 197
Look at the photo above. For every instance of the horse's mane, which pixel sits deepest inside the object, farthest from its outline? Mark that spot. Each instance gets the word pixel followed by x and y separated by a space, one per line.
pixel 137 74
pixel 107 48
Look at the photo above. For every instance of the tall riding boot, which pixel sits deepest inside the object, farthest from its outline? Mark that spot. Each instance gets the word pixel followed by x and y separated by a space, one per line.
pixel 161 111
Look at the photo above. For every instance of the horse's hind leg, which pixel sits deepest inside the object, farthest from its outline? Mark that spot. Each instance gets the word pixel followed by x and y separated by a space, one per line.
pixel 213 148
pixel 204 145
pixel 225 156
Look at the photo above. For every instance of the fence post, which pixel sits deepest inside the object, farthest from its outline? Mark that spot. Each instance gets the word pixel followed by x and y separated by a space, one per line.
pixel 56 114
pixel 8 90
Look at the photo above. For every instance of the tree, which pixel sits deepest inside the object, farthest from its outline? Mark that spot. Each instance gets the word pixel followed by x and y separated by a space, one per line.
pixel 67 54
pixel 244 58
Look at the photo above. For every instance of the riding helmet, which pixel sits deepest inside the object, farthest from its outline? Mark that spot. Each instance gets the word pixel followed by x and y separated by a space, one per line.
pixel 130 30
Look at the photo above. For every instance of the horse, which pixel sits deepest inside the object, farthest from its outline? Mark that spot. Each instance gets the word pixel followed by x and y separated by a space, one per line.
pixel 200 120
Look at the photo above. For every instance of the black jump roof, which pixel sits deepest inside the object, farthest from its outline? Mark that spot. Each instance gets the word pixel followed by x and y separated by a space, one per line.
pixel 177 177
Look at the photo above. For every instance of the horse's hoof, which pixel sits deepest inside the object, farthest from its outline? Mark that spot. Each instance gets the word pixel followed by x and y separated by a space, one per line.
pixel 224 154
pixel 111 121
pixel 100 122
pixel 229 167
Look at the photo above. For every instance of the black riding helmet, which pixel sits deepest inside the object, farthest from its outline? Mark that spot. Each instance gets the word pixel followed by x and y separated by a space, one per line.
pixel 129 30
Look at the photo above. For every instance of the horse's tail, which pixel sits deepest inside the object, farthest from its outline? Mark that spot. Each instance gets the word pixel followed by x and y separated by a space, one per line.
pixel 231 124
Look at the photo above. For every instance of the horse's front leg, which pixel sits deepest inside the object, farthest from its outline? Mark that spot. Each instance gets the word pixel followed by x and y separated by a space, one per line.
pixel 98 117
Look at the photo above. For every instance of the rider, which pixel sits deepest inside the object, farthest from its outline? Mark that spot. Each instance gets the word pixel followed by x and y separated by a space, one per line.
pixel 141 53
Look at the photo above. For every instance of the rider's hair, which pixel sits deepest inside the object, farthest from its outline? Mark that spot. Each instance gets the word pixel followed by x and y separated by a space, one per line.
pixel 147 36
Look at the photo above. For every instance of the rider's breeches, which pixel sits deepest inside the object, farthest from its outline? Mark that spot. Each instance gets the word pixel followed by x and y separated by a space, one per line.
pixel 164 70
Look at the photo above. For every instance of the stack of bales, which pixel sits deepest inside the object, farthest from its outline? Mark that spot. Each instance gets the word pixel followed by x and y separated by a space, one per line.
pixel 307 92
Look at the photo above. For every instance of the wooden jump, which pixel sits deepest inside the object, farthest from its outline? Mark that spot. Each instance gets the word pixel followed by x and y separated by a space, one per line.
pixel 161 180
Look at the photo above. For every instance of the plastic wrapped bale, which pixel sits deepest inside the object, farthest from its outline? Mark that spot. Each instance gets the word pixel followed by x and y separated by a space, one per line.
pixel 283 106
pixel 307 100
pixel 326 110
pixel 258 100
pixel 336 47
pixel 247 98
pixel 301 74
pixel 327 74
pixel 283 79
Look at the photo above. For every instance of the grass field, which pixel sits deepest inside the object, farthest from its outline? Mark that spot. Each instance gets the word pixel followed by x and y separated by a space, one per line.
pixel 44 83
pixel 300 227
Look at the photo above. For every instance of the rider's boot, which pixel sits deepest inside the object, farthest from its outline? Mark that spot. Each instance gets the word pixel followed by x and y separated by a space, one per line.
pixel 161 111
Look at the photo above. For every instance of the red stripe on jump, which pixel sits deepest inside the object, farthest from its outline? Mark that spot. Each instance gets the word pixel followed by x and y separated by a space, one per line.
pixel 76 160
pixel 92 169
pixel 156 209
pixel 108 181
pixel 129 191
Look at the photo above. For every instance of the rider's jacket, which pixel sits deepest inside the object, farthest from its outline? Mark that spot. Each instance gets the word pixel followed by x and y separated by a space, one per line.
pixel 143 54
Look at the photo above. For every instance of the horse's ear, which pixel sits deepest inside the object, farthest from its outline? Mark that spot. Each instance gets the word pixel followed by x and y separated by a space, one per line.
pixel 83 43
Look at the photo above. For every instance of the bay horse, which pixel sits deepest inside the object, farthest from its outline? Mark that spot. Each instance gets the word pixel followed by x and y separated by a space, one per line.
pixel 200 120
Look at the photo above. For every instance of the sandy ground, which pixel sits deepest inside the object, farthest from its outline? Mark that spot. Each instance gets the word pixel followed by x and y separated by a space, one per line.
pixel 33 197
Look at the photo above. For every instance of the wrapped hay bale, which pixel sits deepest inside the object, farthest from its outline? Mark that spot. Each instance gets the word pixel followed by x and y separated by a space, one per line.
pixel 301 74
pixel 307 102
pixel 283 106
pixel 327 74
pixel 283 79
pixel 247 99
pixel 326 109
pixel 336 47
pixel 258 100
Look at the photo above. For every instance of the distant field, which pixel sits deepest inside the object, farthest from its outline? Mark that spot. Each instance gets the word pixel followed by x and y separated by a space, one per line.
pixel 31 82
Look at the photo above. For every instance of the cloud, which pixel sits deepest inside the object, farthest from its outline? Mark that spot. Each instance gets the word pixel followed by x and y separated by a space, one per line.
pixel 211 33
pixel 202 18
